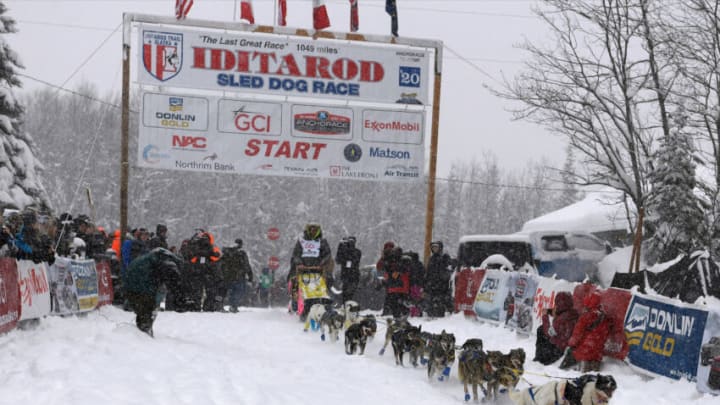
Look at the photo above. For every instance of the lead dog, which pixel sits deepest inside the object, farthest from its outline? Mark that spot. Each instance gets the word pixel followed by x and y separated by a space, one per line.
pixel 587 389
pixel 357 334
pixel 333 321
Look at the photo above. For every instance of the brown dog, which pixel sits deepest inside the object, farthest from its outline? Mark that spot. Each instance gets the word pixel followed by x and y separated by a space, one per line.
pixel 471 366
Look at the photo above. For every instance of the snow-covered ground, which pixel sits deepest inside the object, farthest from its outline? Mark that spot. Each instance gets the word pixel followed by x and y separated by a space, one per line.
pixel 256 356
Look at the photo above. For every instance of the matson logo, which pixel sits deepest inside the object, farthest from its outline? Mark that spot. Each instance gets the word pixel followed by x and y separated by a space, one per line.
pixel 387 153
pixel 185 142
pixel 322 123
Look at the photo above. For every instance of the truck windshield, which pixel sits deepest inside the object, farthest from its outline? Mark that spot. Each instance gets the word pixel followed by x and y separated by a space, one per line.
pixel 474 253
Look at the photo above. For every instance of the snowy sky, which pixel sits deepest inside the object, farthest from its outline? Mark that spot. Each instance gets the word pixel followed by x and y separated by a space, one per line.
pixel 256 356
pixel 66 41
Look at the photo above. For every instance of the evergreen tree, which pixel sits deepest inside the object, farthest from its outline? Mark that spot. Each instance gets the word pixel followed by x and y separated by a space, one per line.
pixel 675 212
pixel 570 193
pixel 20 185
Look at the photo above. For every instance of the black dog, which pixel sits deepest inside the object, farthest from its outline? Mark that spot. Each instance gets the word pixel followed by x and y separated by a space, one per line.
pixel 404 341
pixel 357 334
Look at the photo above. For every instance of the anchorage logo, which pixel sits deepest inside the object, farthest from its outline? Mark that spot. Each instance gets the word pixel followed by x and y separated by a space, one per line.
pixel 322 123
pixel 162 54
pixel 151 154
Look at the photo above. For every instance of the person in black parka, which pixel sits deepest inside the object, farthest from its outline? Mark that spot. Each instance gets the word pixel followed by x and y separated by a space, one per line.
pixel 144 277
pixel 437 280
pixel 348 258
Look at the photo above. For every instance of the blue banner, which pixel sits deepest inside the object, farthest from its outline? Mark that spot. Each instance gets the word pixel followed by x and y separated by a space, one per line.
pixel 664 338
pixel 86 283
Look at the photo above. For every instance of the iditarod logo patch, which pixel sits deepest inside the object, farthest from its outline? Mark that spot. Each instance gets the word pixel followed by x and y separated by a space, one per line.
pixel 162 54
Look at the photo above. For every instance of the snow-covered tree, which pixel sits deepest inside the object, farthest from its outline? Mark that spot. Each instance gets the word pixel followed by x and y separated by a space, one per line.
pixel 20 184
pixel 675 212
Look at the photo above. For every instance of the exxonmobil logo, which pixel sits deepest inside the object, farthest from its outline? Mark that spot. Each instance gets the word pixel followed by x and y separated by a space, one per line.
pixel 314 67
pixel 187 142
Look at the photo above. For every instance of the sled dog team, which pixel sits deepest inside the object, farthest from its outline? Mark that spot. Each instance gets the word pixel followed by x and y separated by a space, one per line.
pixel 489 370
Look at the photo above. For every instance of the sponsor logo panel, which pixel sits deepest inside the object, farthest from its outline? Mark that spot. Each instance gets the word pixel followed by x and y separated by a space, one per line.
pixel 175 112
pixel 329 123
pixel 352 152
pixel 189 143
pixel 349 172
pixel 400 127
pixel 402 171
pixel 245 117
pixel 389 153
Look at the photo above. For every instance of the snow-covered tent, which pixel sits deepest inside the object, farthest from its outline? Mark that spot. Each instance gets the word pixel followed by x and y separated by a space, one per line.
pixel 600 213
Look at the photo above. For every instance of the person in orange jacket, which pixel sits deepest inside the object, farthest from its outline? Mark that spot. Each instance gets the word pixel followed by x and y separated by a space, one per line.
pixel 204 272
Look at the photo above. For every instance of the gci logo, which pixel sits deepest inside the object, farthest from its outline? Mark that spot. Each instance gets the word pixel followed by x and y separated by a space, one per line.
pixel 253 122
pixel 189 142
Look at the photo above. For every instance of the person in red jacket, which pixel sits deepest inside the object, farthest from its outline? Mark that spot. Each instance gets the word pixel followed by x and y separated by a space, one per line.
pixel 590 333
pixel 557 327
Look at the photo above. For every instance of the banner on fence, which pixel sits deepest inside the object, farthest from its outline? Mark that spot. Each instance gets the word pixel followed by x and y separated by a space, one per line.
pixel 708 373
pixel 494 297
pixel 34 289
pixel 467 284
pixel 519 302
pixel 62 291
pixel 9 294
pixel 664 337
pixel 545 294
pixel 105 288
pixel 615 301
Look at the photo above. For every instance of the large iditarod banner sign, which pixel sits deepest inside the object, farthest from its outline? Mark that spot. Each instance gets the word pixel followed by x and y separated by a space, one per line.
pixel 282 105
pixel 664 336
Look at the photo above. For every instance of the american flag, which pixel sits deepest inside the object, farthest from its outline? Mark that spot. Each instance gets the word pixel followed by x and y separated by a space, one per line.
pixel 320 15
pixel 282 13
pixel 354 17
pixel 182 8
pixel 246 11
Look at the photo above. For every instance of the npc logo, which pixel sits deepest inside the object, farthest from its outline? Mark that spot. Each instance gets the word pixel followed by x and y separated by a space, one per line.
pixel 162 54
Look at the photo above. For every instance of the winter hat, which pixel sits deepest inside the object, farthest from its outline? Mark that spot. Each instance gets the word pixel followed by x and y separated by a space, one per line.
pixel 592 301
pixel 239 242
pixel 161 229
pixel 388 245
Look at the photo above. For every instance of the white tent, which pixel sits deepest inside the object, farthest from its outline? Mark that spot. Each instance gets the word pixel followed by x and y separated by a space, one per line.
pixel 599 212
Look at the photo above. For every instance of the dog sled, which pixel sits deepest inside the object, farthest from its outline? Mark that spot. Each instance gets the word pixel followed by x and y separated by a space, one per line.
pixel 311 288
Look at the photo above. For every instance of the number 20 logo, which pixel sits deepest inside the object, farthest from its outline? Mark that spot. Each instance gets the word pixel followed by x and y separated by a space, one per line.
pixel 409 76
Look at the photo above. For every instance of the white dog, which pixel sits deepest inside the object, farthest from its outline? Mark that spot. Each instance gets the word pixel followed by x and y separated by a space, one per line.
pixel 352 312
pixel 314 317
pixel 585 390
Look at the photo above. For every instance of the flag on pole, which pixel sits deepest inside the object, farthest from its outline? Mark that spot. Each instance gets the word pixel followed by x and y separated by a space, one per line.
pixel 246 11
pixel 282 13
pixel 182 8
pixel 320 15
pixel 391 8
pixel 354 17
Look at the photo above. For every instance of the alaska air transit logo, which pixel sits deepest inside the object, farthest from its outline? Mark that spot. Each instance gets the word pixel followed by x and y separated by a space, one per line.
pixel 162 54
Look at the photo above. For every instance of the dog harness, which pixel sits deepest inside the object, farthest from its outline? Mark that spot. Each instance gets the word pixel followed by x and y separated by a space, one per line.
pixel 557 402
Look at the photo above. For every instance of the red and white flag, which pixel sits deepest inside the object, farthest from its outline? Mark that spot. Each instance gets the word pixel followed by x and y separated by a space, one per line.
pixel 246 11
pixel 182 8
pixel 282 13
pixel 320 15
pixel 354 17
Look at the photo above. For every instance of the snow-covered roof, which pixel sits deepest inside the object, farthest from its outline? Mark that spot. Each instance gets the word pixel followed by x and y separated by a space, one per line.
pixel 598 212
pixel 515 237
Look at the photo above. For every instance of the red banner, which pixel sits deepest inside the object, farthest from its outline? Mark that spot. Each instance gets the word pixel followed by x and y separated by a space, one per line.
pixel 616 302
pixel 467 283
pixel 9 294
pixel 105 288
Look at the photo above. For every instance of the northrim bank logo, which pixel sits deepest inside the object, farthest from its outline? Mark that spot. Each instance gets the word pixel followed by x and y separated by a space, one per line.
pixel 162 54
